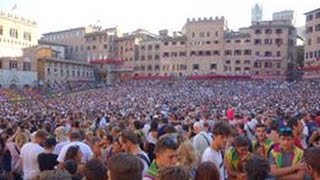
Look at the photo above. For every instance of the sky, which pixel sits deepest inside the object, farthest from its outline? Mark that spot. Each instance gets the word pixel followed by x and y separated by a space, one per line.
pixel 152 15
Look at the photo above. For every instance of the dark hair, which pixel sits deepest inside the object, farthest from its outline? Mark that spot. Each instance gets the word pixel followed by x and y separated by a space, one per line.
pixel 221 128
pixel 173 172
pixel 50 143
pixel 274 125
pixel 312 158
pixel 257 168
pixel 41 134
pixel 207 171
pixel 125 166
pixel 75 135
pixel 260 125
pixel 95 170
pixel 71 166
pixel 71 153
pixel 292 122
pixel 241 141
pixel 109 137
pixel 128 135
pixel 166 142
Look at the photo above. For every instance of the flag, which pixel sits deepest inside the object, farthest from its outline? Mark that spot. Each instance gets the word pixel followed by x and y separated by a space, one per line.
pixel 14 7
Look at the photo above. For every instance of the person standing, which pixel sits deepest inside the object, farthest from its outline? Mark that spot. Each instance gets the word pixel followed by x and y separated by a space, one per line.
pixel 29 155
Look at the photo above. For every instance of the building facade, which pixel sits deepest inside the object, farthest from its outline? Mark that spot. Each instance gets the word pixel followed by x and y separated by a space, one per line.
pixel 287 15
pixel 312 44
pixel 273 46
pixel 16 33
pixel 75 41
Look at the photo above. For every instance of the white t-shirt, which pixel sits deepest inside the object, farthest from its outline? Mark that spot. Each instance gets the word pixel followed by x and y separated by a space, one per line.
pixel 84 148
pixel 215 157
pixel 59 146
pixel 201 141
pixel 29 154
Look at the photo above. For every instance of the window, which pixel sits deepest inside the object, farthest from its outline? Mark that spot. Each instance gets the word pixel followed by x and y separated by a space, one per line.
pixel 247 62
pixel 105 46
pixel 193 34
pixel 237 52
pixel 208 42
pixel 93 47
pixel 310 29
pixel 216 42
pixel 165 54
pixel 228 62
pixel 268 54
pixel 317 27
pixel 183 67
pixel 48 71
pixel 217 33
pixel 257 31
pixel 237 69
pixel 278 53
pixel 157 47
pixel 26 66
pixel 247 52
pixel 237 41
pixel 208 34
pixel 238 62
pixel 317 15
pixel 149 68
pixel 200 53
pixel 13 33
pixel 309 42
pixel 182 53
pixel 142 68
pixel 195 67
pixel 268 31
pixel 228 41
pixel 201 34
pixel 279 41
pixel 0 64
pixel 216 53
pixel 174 43
pixel 149 57
pixel 150 47
pixel 27 36
pixel 247 41
pixel 13 65
pixel 182 43
pixel 257 64
pixel 157 67
pixel 166 43
pixel 174 54
pixel 142 58
pixel 1 30
pixel 267 41
pixel 88 48
pixel 310 54
pixel 157 57
pixel 228 52
pixel 278 31
pixel 307 55
pixel 208 53
pixel 257 41
pixel 213 66
pixel 310 17
pixel 318 40
pixel 192 53
pixel 61 72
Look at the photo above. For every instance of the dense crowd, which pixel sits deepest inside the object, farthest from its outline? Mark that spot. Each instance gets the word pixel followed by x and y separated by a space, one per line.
pixel 165 130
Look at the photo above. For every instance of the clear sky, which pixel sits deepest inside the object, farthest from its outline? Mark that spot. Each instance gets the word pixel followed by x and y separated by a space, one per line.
pixel 152 15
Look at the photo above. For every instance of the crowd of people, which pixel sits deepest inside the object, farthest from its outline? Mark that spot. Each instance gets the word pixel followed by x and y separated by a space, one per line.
pixel 165 130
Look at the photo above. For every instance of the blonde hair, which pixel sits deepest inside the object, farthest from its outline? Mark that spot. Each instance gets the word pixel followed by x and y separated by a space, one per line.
pixel 187 156
pixel 61 133
pixel 21 139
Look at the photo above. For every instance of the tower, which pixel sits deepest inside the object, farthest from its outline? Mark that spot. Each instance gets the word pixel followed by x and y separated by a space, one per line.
pixel 256 13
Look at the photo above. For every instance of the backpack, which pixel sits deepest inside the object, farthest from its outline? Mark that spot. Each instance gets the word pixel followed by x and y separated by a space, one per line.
pixel 144 158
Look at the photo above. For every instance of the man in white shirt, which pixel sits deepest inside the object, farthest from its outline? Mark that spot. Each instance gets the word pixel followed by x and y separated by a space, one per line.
pixel 75 140
pixel 202 140
pixel 29 155
pixel 214 153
